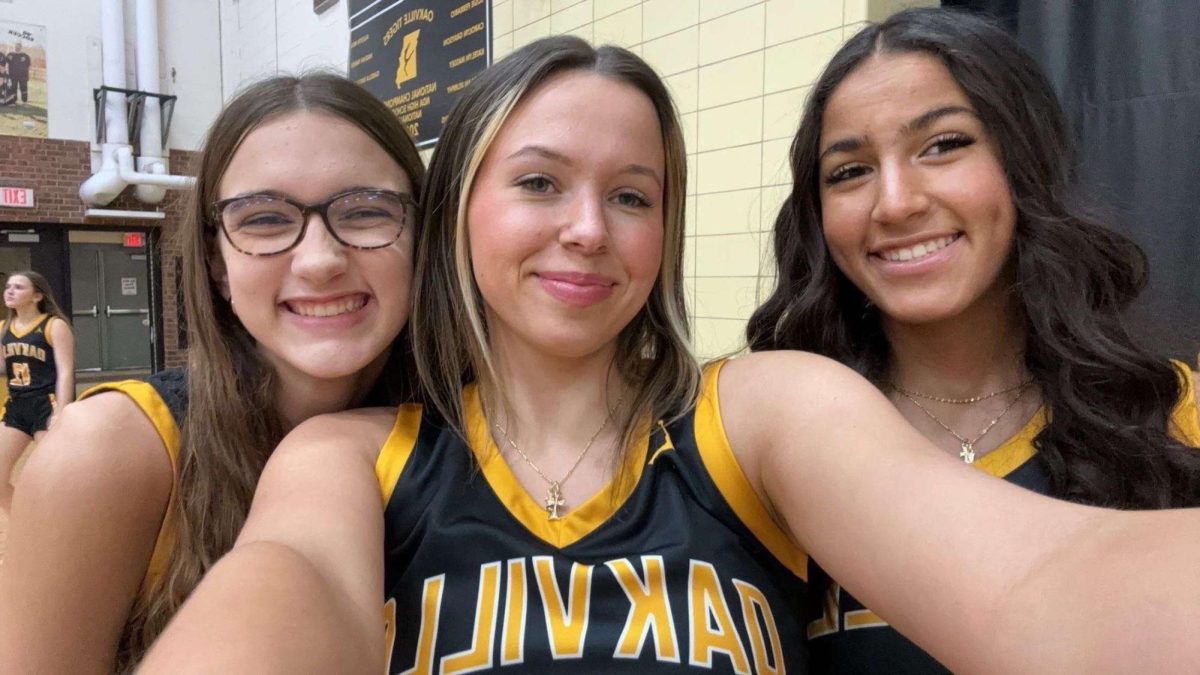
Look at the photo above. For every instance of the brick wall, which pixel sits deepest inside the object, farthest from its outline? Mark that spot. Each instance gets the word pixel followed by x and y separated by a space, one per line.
pixel 54 169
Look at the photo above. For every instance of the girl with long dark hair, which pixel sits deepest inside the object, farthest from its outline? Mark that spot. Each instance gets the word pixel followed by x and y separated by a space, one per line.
pixel 297 252
pixel 39 364
pixel 594 501
pixel 934 242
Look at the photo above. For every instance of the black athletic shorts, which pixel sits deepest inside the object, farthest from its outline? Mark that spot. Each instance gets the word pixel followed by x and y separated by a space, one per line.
pixel 30 414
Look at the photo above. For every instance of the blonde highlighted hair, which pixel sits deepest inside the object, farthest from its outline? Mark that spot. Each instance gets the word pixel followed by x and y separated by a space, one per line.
pixel 450 330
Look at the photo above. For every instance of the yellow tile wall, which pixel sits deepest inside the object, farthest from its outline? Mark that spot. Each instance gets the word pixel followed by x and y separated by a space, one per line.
pixel 739 71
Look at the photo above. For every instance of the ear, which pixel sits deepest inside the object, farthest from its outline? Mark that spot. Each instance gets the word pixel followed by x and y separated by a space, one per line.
pixel 216 272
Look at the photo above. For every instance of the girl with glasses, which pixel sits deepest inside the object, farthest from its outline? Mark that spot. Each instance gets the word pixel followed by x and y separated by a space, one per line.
pixel 297 254
pixel 594 501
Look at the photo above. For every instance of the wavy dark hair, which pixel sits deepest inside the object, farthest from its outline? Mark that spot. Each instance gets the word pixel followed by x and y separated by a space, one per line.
pixel 1110 398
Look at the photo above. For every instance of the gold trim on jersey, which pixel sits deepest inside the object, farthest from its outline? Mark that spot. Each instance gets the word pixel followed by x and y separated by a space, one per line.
pixel 1184 427
pixel 46 331
pixel 579 521
pixel 12 329
pixel 146 397
pixel 1015 451
pixel 726 473
pixel 1185 418
pixel 397 449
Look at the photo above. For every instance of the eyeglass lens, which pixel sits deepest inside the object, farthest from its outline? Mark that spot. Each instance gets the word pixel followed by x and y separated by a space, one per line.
pixel 263 224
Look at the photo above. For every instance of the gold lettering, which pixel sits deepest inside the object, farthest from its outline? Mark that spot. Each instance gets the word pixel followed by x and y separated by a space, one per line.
pixel 512 640
pixel 431 609
pixel 711 627
pixel 566 623
pixel 830 617
pixel 389 630
pixel 754 605
pixel 649 610
pixel 479 656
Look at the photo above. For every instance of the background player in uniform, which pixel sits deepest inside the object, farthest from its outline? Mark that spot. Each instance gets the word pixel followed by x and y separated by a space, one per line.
pixel 945 262
pixel 292 311
pixel 550 275
pixel 39 364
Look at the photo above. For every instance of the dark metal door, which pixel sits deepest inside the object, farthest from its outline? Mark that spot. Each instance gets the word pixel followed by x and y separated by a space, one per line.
pixel 86 305
pixel 112 307
pixel 126 309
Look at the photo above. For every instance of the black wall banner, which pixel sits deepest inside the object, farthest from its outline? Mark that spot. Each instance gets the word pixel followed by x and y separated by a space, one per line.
pixel 418 55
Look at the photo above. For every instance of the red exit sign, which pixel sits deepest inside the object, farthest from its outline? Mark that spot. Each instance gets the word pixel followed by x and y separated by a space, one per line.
pixel 21 198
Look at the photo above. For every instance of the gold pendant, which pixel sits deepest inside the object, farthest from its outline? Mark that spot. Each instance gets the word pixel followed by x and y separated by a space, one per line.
pixel 554 500
pixel 968 452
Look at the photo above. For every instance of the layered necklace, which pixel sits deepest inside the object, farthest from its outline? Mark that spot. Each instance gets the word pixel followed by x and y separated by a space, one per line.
pixel 967 445
pixel 554 499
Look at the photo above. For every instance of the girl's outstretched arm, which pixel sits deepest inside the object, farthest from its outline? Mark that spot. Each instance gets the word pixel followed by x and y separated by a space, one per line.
pixel 987 576
pixel 302 590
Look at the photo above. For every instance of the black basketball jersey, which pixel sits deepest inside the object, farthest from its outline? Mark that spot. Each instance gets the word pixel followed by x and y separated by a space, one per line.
pixel 674 566
pixel 29 359
pixel 846 637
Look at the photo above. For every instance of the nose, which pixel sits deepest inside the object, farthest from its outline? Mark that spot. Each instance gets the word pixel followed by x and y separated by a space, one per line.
pixel 901 194
pixel 586 229
pixel 318 258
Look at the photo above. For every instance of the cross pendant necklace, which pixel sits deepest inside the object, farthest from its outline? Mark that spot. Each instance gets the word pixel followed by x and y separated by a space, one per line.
pixel 554 500
pixel 554 497
pixel 967 454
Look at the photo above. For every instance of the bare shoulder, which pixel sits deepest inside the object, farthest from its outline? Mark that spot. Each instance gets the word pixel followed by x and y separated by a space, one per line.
pixel 86 512
pixel 58 327
pixel 102 443
pixel 800 382
pixel 778 401
pixel 362 429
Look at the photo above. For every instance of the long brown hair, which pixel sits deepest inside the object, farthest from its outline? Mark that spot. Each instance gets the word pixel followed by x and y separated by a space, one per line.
pixel 449 328
pixel 231 425
pixel 46 305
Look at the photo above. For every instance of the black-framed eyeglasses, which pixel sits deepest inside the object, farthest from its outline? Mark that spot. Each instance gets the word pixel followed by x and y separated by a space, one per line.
pixel 267 224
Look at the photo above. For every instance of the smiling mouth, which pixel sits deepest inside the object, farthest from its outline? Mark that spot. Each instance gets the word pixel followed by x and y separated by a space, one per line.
pixel 918 251
pixel 344 305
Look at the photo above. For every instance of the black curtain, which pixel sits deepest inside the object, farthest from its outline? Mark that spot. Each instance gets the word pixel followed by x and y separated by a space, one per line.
pixel 1128 74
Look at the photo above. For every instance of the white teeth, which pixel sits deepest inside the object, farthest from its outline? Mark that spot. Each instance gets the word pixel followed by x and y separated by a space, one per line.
pixel 323 309
pixel 918 251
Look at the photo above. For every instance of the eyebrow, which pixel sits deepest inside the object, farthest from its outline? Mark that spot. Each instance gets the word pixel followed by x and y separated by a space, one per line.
pixel 284 195
pixel 542 151
pixel 914 125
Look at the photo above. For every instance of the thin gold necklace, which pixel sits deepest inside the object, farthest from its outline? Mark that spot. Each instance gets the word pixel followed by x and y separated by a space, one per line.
pixel 958 401
pixel 554 499
pixel 967 454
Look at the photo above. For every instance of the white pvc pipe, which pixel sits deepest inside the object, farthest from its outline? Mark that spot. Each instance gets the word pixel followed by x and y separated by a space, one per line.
pixel 151 157
pixel 117 166
pixel 104 185
pixel 158 178
pixel 112 29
